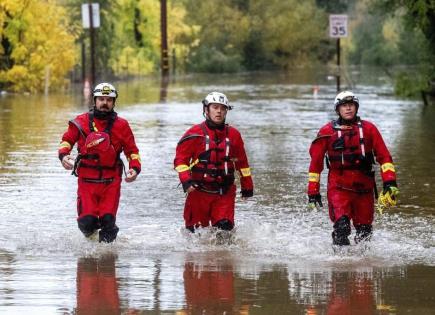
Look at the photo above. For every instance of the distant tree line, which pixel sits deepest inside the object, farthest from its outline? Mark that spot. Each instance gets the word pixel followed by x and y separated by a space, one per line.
pixel 212 36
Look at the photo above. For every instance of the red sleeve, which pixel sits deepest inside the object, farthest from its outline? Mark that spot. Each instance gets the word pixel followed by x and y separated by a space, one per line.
pixel 130 148
pixel 242 165
pixel 69 138
pixel 184 153
pixel 383 156
pixel 318 150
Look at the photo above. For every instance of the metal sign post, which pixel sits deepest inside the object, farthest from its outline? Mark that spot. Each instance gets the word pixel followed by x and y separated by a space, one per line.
pixel 91 20
pixel 338 29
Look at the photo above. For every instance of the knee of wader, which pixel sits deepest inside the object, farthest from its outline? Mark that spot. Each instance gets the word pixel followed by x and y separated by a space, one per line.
pixel 88 224
pixel 363 232
pixel 109 230
pixel 224 224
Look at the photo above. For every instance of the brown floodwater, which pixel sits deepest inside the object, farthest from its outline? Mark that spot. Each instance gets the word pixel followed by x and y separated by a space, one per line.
pixel 281 260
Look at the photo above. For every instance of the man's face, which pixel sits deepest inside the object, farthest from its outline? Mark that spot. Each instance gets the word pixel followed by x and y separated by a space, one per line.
pixel 104 103
pixel 216 113
pixel 347 111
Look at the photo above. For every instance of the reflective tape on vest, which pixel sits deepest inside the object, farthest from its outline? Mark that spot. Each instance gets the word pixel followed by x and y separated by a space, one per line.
pixel 65 144
pixel 245 172
pixel 194 163
pixel 314 177
pixel 182 168
pixel 388 167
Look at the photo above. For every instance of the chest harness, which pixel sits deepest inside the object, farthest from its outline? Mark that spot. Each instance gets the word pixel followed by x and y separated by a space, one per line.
pixel 348 160
pixel 103 162
pixel 213 175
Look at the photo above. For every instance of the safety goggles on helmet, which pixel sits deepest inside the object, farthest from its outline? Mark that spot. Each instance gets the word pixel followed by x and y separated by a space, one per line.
pixel 217 98
pixel 105 89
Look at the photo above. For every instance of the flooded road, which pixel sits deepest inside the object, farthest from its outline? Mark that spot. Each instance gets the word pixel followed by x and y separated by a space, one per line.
pixel 281 261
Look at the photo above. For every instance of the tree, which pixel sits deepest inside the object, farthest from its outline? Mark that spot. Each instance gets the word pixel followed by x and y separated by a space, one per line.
pixel 417 17
pixel 286 33
pixel 34 45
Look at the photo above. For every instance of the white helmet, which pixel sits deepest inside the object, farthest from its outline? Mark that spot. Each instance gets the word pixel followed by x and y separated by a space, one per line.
pixel 217 98
pixel 345 97
pixel 105 89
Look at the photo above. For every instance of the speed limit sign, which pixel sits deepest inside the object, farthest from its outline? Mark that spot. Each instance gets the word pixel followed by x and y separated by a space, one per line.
pixel 337 25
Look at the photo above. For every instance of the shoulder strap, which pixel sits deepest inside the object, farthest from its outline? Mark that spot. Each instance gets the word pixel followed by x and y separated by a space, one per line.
pixel 188 137
pixel 109 125
pixel 207 137
pixel 79 127
pixel 110 122
pixel 361 137
pixel 91 121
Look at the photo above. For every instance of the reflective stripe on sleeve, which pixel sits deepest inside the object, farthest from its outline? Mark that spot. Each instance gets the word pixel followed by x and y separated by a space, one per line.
pixel 314 177
pixel 135 157
pixel 245 172
pixel 65 144
pixel 182 168
pixel 388 167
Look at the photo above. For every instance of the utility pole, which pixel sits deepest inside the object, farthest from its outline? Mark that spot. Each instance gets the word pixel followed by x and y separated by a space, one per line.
pixel 164 39
pixel 91 30
pixel 338 64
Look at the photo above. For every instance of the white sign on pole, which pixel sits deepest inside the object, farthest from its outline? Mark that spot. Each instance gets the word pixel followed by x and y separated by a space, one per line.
pixel 337 25
pixel 95 15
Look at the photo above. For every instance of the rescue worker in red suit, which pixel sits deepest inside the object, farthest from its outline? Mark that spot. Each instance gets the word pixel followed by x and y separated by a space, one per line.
pixel 350 146
pixel 207 158
pixel 101 135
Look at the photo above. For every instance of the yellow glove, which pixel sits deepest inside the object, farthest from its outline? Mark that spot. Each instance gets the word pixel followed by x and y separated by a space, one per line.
pixel 388 197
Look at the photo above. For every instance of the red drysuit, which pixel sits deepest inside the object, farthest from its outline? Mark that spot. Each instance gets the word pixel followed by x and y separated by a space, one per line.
pixel 98 164
pixel 207 159
pixel 350 150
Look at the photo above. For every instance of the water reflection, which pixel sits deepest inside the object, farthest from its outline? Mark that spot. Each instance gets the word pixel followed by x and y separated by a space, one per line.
pixel 211 290
pixel 97 286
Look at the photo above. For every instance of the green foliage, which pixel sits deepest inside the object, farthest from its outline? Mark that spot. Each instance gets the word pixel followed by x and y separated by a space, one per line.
pixel 211 36
pixel 34 46
pixel 407 85
pixel 220 32
pixel 288 32
pixel 415 40
pixel 370 47
pixel 254 35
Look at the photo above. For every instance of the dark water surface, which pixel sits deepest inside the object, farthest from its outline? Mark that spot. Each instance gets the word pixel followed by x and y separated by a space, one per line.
pixel 281 261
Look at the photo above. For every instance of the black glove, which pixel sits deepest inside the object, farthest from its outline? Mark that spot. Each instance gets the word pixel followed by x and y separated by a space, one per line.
pixel 187 184
pixel 389 186
pixel 314 201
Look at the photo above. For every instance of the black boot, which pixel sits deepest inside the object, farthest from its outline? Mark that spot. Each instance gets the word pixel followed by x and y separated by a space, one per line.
pixel 109 230
pixel 363 232
pixel 223 234
pixel 341 232
pixel 224 224
pixel 88 225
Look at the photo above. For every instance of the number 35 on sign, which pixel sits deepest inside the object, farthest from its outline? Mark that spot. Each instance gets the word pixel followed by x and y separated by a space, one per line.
pixel 337 25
